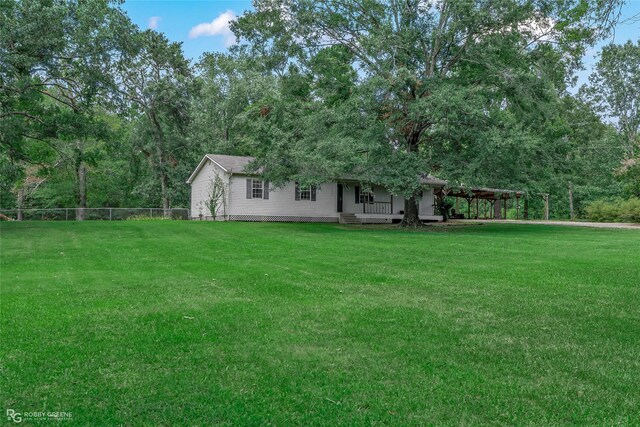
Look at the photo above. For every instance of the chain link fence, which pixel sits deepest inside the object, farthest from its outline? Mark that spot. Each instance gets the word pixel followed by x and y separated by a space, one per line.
pixel 95 214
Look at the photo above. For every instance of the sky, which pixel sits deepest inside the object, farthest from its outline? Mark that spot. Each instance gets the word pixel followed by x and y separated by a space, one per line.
pixel 203 25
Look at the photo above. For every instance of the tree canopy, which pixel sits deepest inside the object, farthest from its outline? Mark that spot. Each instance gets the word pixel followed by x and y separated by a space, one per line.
pixel 438 87
pixel 614 93
pixel 100 113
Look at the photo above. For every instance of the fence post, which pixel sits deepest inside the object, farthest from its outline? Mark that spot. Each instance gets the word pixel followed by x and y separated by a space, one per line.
pixel 110 215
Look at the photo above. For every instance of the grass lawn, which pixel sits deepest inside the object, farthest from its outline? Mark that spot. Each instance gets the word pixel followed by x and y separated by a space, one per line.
pixel 200 323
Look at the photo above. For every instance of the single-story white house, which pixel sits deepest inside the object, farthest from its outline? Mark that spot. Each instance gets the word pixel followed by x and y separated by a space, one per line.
pixel 247 197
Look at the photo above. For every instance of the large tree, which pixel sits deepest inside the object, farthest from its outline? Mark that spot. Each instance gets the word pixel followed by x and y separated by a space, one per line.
pixel 55 70
pixel 434 77
pixel 156 85
pixel 614 92
pixel 54 57
pixel 228 86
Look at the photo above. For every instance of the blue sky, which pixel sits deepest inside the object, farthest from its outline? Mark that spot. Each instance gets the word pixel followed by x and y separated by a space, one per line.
pixel 176 18
pixel 201 25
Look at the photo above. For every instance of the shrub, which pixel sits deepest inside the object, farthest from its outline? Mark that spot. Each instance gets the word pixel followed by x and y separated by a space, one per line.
pixel 614 210
pixel 601 210
pixel 630 210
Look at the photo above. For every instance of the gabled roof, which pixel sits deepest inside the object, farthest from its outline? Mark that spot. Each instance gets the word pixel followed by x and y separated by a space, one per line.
pixel 237 164
pixel 229 164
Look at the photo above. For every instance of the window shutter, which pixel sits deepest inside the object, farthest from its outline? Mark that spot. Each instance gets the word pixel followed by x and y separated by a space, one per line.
pixel 265 190
pixel 249 188
pixel 297 191
pixel 357 194
pixel 313 193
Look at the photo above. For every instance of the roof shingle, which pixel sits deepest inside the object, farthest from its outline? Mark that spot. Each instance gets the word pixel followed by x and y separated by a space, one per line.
pixel 232 164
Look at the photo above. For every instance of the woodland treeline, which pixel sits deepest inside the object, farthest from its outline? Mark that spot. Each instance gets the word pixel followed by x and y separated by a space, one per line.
pixel 96 112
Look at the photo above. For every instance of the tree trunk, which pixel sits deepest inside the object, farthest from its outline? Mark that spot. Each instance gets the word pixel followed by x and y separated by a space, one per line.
pixel 571 216
pixel 164 184
pixel 411 218
pixel 162 173
pixel 81 177
pixel 546 207
pixel 497 211
pixel 20 202
pixel 81 182
pixel 525 215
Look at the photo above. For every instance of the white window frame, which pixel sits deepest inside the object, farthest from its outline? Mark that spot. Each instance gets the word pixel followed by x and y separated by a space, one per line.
pixel 305 192
pixel 257 189
pixel 366 196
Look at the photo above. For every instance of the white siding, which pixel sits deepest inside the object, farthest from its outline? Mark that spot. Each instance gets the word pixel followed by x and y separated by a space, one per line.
pixel 282 201
pixel 426 204
pixel 201 188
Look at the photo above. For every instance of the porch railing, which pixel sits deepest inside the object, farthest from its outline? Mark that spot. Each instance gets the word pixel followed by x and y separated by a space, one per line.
pixel 377 207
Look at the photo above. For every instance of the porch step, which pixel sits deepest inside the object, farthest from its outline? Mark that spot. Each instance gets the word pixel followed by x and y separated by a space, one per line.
pixel 349 218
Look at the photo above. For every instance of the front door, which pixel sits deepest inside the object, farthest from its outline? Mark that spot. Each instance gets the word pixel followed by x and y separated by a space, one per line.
pixel 339 197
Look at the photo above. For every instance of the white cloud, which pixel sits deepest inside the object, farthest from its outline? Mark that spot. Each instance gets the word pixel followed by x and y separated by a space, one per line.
pixel 153 22
pixel 218 27
pixel 542 29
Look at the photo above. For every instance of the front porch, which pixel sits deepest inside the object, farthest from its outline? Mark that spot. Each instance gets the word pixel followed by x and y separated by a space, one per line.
pixel 375 205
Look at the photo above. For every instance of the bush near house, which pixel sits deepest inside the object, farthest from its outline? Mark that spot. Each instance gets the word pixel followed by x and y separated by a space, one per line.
pixel 616 210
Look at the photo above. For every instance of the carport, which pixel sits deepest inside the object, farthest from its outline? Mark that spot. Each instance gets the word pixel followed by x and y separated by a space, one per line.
pixel 490 203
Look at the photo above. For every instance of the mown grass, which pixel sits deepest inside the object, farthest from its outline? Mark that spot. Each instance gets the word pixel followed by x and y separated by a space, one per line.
pixel 200 323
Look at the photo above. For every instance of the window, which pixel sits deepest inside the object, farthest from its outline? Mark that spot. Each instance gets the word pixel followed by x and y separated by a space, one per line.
pixel 366 197
pixel 363 196
pixel 305 193
pixel 256 189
